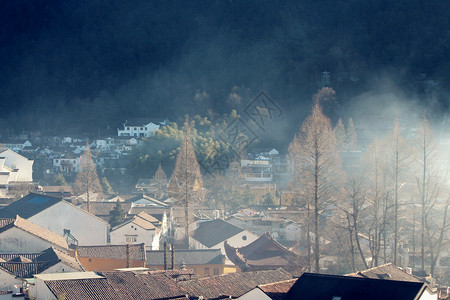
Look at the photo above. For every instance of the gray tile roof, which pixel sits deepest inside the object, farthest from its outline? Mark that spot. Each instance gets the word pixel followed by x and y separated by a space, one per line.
pixel 210 233
pixel 137 252
pixel 118 285
pixel 232 284
pixel 189 257
pixel 25 265
pixel 386 271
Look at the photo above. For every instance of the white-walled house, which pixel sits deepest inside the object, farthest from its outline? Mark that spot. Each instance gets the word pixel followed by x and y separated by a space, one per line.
pixel 58 216
pixel 140 127
pixel 213 234
pixel 14 267
pixel 67 163
pixel 142 228
pixel 15 167
pixel 20 235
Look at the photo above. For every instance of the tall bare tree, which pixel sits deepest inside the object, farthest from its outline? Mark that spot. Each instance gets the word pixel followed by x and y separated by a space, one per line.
pixel 431 188
pixel 317 165
pixel 186 183
pixel 87 181
pixel 378 198
pixel 400 159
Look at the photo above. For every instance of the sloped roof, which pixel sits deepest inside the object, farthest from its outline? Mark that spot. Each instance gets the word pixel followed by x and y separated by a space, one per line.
pixel 148 199
pixel 264 253
pixel 277 290
pixel 321 286
pixel 93 288
pixel 36 230
pixel 143 121
pixel 102 209
pixel 147 217
pixel 210 233
pixel 118 285
pixel 143 286
pixel 28 264
pixel 231 284
pixel 136 252
pixel 29 206
pixel 57 189
pixel 386 271
pixel 143 223
pixel 188 256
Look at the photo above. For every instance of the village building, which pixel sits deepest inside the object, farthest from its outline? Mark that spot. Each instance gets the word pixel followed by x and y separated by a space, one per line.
pixel 205 262
pixel 141 127
pixel 111 257
pixel 15 168
pixel 265 254
pixel 213 234
pixel 106 285
pixel 232 285
pixel 142 228
pixel 18 235
pixel 60 217
pixel 14 267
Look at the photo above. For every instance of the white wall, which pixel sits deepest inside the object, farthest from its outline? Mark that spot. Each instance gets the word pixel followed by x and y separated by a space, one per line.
pixel 118 236
pixel 85 227
pixel 255 294
pixel 40 290
pixel 59 268
pixel 7 281
pixel 17 161
pixel 15 240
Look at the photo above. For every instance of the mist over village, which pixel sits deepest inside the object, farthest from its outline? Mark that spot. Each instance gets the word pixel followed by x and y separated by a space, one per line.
pixel 224 150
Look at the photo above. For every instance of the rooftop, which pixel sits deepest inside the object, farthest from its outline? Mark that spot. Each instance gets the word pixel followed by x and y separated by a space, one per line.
pixel 136 252
pixel 29 205
pixel 211 233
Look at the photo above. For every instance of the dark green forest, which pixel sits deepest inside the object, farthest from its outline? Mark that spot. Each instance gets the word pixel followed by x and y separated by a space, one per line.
pixel 86 66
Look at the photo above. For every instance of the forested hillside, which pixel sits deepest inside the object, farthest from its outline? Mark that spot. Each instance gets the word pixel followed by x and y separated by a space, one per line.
pixel 90 64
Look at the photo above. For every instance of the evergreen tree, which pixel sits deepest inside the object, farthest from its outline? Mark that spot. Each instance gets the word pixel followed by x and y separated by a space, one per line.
pixel 160 180
pixel 117 215
pixel 87 181
pixel 59 180
pixel 106 187
pixel 186 183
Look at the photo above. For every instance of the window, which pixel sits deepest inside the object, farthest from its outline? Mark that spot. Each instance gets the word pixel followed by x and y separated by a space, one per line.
pixel 216 271
pixel 131 238
pixel 244 237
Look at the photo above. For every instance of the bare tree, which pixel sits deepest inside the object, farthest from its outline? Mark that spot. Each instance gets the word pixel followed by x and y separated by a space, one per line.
pixel 87 181
pixel 376 173
pixel 431 189
pixel 186 183
pixel 317 165
pixel 400 159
